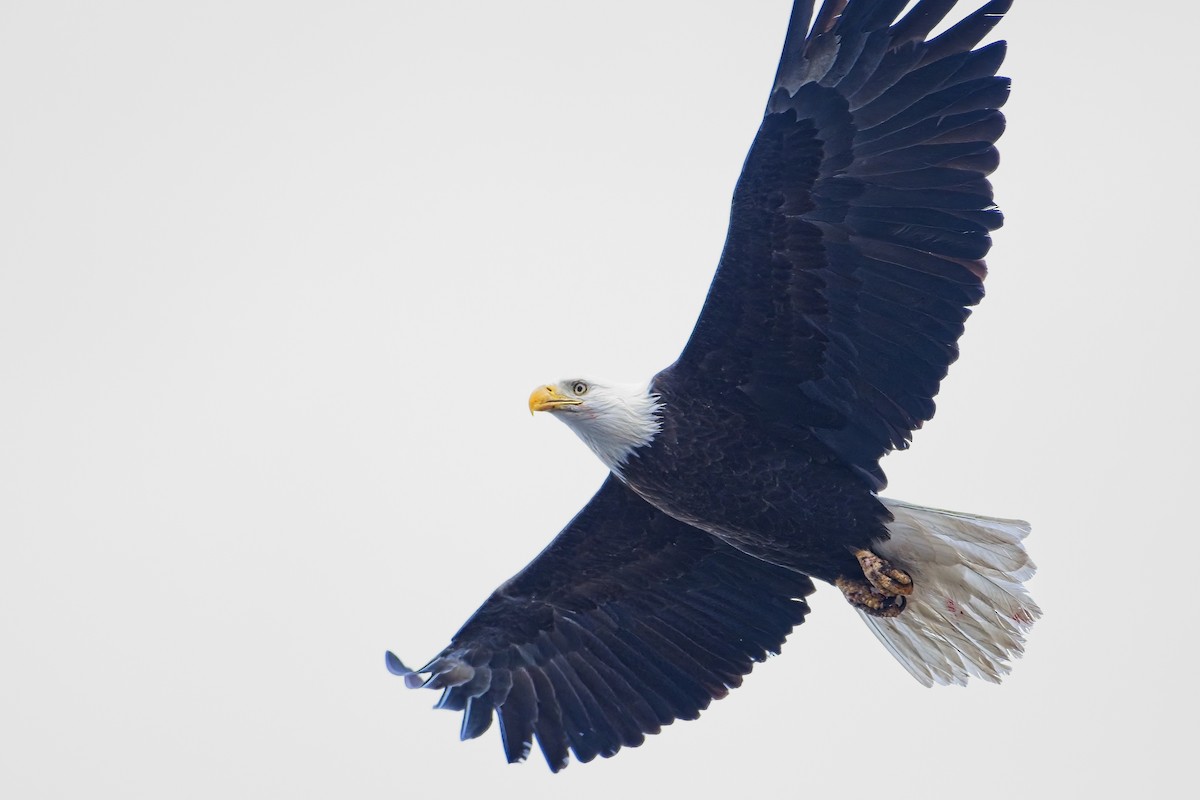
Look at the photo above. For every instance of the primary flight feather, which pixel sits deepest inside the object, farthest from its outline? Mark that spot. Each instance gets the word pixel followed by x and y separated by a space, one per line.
pixel 751 465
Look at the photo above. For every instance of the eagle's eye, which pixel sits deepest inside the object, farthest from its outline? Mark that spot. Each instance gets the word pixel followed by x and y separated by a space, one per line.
pixel 580 388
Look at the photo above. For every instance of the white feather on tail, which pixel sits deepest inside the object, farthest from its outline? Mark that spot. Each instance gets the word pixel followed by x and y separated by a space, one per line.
pixel 969 610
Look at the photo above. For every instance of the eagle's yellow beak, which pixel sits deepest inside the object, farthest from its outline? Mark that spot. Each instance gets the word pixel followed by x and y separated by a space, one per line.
pixel 548 398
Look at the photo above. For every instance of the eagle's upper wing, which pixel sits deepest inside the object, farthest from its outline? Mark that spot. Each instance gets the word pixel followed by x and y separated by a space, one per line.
pixel 858 226
pixel 628 620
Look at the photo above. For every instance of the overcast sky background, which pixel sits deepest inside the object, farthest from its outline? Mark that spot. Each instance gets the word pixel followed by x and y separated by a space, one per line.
pixel 276 280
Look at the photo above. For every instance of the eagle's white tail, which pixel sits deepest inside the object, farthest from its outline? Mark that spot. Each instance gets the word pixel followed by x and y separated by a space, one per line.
pixel 969 609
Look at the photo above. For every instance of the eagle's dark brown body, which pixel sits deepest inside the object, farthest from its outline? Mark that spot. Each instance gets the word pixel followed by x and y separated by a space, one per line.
pixel 779 494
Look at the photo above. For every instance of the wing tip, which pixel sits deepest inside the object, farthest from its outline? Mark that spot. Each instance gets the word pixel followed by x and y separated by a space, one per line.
pixel 395 665
pixel 412 677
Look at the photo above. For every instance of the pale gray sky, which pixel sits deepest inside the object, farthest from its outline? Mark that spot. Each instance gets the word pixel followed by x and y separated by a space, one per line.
pixel 276 280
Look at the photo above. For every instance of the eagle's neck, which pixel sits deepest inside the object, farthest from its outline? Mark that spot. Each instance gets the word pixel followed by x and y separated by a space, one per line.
pixel 616 421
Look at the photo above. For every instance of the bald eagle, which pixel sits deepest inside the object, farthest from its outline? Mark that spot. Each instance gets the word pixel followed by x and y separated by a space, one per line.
pixel 750 466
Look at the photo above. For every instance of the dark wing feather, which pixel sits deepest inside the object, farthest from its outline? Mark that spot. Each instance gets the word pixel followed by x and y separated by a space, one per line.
pixel 627 621
pixel 859 226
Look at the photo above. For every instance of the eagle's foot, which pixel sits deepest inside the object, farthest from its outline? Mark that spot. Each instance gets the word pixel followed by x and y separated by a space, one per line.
pixel 888 579
pixel 870 600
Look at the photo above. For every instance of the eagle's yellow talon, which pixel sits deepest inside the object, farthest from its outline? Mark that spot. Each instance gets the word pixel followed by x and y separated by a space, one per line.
pixel 883 575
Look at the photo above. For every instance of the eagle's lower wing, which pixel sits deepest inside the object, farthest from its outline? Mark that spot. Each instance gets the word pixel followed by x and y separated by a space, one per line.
pixel 628 620
pixel 858 228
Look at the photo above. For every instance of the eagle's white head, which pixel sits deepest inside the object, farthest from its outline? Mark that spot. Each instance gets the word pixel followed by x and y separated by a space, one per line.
pixel 613 420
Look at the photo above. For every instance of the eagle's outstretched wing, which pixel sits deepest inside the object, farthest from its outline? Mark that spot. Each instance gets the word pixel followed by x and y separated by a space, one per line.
pixel 628 620
pixel 859 226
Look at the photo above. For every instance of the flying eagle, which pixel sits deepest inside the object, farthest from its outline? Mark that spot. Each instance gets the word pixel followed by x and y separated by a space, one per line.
pixel 750 466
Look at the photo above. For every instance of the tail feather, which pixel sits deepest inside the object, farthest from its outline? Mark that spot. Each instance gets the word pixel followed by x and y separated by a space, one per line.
pixel 969 610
